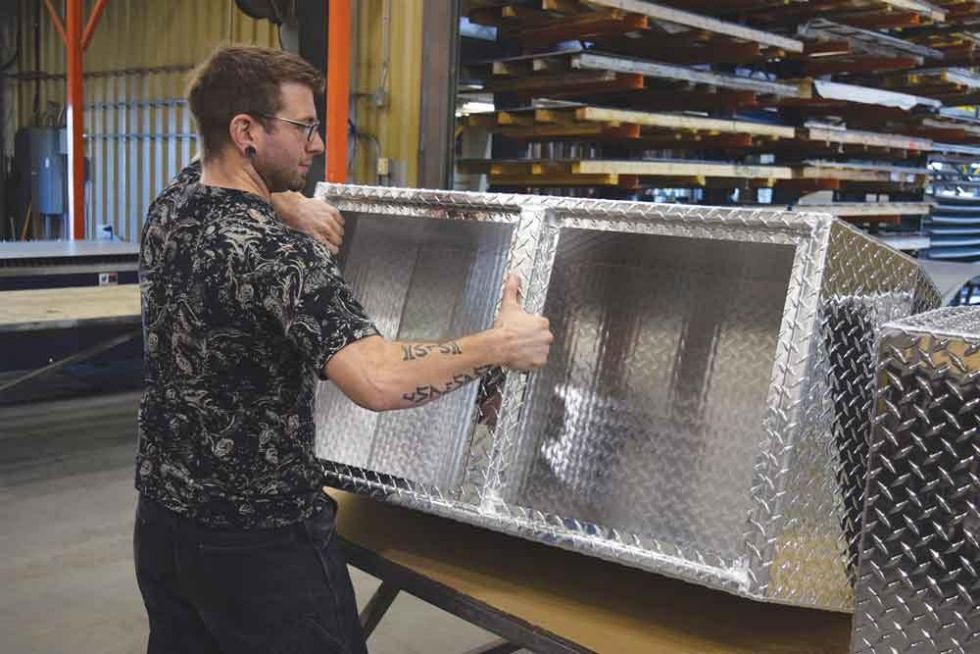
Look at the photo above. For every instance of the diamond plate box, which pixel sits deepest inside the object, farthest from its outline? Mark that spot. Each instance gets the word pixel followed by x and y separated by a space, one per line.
pixel 707 403
pixel 918 587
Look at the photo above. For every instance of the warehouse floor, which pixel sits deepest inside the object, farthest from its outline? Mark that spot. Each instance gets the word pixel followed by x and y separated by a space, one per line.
pixel 66 573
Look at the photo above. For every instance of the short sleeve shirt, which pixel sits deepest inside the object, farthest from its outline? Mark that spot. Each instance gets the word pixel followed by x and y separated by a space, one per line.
pixel 240 315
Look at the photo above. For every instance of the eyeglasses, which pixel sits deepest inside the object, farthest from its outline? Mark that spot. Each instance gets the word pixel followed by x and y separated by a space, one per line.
pixel 309 127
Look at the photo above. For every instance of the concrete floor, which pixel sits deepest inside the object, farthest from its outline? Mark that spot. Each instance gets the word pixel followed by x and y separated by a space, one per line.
pixel 66 571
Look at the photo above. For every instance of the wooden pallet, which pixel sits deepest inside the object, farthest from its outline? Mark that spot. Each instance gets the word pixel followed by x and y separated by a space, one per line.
pixel 869 212
pixel 834 48
pixel 861 172
pixel 972 152
pixel 853 139
pixel 962 21
pixel 814 65
pixel 810 175
pixel 682 131
pixel 640 95
pixel 960 54
pixel 628 174
pixel 869 14
pixel 667 97
pixel 635 128
pixel 858 211
pixel 864 41
pixel 654 31
pixel 937 128
pixel 831 97
pixel 574 74
pixel 952 86
pixel 690 49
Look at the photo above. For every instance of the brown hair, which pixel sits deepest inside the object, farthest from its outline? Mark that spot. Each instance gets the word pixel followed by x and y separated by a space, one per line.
pixel 242 80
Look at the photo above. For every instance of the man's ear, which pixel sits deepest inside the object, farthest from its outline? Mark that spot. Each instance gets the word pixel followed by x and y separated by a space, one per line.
pixel 242 130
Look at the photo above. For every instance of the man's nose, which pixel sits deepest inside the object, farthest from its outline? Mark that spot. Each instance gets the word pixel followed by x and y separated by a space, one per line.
pixel 316 145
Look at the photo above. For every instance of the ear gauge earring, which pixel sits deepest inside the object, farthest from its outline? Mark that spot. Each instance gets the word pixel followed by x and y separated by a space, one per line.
pixel 249 151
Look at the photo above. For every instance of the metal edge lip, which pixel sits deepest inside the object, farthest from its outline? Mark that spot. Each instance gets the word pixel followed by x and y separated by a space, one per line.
pixel 802 222
pixel 408 196
pixel 917 325
pixel 906 258
pixel 644 559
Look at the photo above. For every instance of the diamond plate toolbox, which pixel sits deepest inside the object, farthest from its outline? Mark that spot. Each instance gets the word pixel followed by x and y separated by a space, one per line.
pixel 918 586
pixel 705 412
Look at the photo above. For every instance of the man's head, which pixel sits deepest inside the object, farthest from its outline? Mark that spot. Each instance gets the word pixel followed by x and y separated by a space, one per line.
pixel 255 106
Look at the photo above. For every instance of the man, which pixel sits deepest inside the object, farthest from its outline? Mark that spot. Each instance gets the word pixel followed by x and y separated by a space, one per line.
pixel 234 540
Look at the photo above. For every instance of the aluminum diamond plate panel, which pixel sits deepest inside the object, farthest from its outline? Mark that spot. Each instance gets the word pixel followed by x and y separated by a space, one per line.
pixel 663 343
pixel 918 587
pixel 420 277
pixel 706 403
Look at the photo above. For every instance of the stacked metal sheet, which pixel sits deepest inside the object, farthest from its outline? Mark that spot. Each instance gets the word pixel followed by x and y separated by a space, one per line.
pixel 707 400
pixel 919 587
pixel 954 228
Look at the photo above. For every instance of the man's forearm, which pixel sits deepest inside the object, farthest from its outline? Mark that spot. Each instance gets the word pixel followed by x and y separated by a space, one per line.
pixel 414 373
pixel 285 199
pixel 384 375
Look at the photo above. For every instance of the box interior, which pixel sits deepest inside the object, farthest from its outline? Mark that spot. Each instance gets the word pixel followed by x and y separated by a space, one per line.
pixel 419 279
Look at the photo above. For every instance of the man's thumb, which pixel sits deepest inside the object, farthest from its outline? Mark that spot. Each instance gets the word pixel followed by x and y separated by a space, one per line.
pixel 512 290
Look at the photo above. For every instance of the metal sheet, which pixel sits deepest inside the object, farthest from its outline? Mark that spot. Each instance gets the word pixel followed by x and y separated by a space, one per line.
pixel 709 385
pixel 918 586
pixel 662 344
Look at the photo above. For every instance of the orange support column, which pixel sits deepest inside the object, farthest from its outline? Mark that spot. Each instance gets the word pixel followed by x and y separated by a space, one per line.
pixel 76 102
pixel 76 40
pixel 338 88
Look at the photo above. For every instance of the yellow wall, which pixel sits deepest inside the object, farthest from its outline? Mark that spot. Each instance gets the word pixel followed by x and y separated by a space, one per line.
pixel 138 130
pixel 395 125
pixel 134 34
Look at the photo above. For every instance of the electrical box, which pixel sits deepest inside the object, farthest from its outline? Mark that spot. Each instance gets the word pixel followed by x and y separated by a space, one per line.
pixel 42 165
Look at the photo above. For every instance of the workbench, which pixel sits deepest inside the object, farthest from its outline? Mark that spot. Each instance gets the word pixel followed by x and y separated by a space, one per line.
pixel 71 308
pixel 51 264
pixel 546 599
pixel 65 308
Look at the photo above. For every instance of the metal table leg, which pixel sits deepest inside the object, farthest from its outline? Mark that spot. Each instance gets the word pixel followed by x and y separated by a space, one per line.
pixel 377 606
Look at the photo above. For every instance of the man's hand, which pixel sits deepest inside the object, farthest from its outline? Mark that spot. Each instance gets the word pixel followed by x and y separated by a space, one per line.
pixel 384 375
pixel 528 336
pixel 314 217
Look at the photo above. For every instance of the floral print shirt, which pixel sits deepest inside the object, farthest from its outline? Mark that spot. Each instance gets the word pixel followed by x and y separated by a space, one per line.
pixel 240 315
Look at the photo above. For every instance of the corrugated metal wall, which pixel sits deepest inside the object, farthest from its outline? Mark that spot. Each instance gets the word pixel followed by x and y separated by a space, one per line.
pixel 139 132
pixel 387 67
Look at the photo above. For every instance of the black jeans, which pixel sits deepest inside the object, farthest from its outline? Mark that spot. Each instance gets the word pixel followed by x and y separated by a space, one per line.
pixel 238 591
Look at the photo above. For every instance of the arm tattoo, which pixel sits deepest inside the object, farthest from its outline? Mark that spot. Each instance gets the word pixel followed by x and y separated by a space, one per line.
pixel 413 351
pixel 423 393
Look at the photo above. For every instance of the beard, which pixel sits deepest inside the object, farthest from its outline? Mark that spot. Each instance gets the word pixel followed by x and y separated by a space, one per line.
pixel 279 179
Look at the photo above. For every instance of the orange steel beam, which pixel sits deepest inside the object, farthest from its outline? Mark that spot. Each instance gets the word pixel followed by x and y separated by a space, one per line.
pixel 76 102
pixel 93 20
pixel 338 88
pixel 56 19
pixel 76 39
